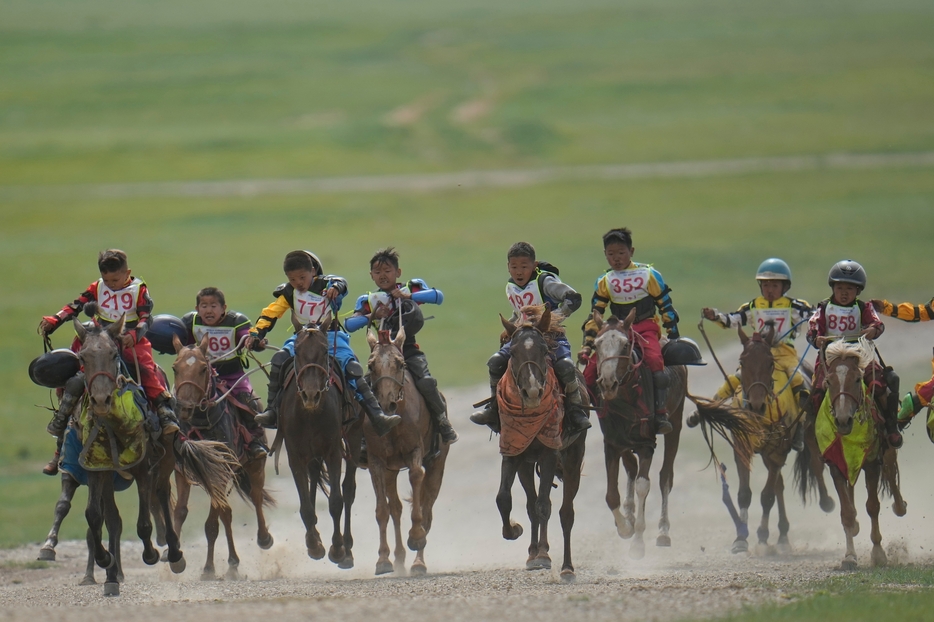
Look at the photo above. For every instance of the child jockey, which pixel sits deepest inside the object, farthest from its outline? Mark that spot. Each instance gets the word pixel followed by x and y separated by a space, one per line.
pixel 116 294
pixel 923 394
pixel 774 277
pixel 385 304
pixel 843 315
pixel 225 329
pixel 628 285
pixel 537 283
pixel 314 299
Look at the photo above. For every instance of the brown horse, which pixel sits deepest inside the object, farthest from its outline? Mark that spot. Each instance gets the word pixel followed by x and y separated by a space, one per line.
pixel 532 438
pixel 852 439
pixel 203 410
pixel 208 464
pixel 315 415
pixel 414 444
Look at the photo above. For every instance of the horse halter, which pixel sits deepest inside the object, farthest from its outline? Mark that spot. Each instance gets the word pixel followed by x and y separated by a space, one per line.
pixel 206 390
pixel 859 400
pixel 530 362
pixel 300 371
pixel 397 381
pixel 89 380
pixel 633 364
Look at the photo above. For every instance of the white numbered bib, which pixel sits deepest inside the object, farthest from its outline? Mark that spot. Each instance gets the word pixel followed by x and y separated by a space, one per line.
pixel 843 321
pixel 111 305
pixel 221 340
pixel 374 299
pixel 628 286
pixel 311 308
pixel 781 318
pixel 523 296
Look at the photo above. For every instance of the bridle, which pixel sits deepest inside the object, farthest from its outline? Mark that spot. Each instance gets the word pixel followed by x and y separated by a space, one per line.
pixel 532 363
pixel 207 390
pixel 768 386
pixel 633 362
pixel 300 371
pixel 398 381
pixel 858 400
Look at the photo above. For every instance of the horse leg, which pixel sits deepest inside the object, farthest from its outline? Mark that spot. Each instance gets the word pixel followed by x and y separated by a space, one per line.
pixel 144 519
pixel 767 499
pixel 743 500
pixel 826 502
pixel 642 486
pixel 233 560
pixel 395 512
pixel 183 488
pixel 784 547
pixel 612 460
pixel 847 516
pixel 666 479
pixel 548 466
pixel 163 492
pixel 211 529
pixel 62 507
pixel 378 478
pixel 349 490
pixel 114 531
pixel 95 517
pixel 873 473
pixel 526 474
pixel 418 535
pixel 89 570
pixel 631 466
pixel 312 536
pixel 572 460
pixel 336 508
pixel 511 529
pixel 256 472
pixel 431 487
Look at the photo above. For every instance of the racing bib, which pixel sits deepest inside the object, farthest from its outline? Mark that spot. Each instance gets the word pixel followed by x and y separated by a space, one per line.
pixel 781 318
pixel 628 286
pixel 221 341
pixel 113 304
pixel 311 308
pixel 523 296
pixel 843 321
pixel 375 299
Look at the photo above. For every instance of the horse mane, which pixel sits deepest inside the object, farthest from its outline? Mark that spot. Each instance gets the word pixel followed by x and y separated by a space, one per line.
pixel 843 349
pixel 533 313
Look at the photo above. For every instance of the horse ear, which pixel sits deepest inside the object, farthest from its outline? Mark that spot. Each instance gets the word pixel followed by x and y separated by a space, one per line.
pixel 116 329
pixel 371 339
pixel 598 319
pixel 298 325
pixel 400 338
pixel 544 324
pixel 770 335
pixel 629 319
pixel 203 346
pixel 743 337
pixel 177 344
pixel 509 326
pixel 80 330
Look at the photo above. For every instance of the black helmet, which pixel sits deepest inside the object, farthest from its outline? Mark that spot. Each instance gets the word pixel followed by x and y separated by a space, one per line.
pixel 682 351
pixel 847 271
pixel 53 369
pixel 412 318
pixel 161 330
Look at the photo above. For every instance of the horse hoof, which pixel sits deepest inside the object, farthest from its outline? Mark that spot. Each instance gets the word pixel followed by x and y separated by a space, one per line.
pixel 88 580
pixel 317 552
pixel 879 560
pixel 419 570
pixel 106 561
pixel 740 546
pixel 232 574
pixel 417 545
pixel 624 529
pixel 111 589
pixel 512 531
pixel 347 562
pixel 568 576
pixel 208 575
pixel 120 578
pixel 46 555
pixel 849 563
pixel 383 568
pixel 899 509
pixel 784 548
pixel 165 556
pixel 663 540
pixel 637 549
pixel 151 557
pixel 335 554
pixel 178 567
pixel 265 543
pixel 542 562
pixel 827 504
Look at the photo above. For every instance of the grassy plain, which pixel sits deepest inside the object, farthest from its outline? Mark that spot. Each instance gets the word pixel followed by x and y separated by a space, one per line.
pixel 121 92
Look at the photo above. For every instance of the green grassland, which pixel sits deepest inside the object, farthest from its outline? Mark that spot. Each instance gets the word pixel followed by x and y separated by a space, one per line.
pixel 120 92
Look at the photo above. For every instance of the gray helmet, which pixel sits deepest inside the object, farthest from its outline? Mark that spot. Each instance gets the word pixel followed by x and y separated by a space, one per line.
pixel 682 351
pixel 773 269
pixel 53 369
pixel 847 271
pixel 161 330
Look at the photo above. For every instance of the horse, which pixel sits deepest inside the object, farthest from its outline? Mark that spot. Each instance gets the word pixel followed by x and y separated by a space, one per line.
pixel 414 444
pixel 203 410
pixel 206 463
pixel 625 414
pixel 316 420
pixel 851 437
pixel 532 438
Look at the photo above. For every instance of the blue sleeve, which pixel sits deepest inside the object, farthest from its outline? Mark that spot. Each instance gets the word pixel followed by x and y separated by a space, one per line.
pixel 356 322
pixel 362 305
pixel 428 296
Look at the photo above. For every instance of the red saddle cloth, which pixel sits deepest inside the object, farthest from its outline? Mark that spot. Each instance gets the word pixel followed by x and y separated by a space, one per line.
pixel 520 426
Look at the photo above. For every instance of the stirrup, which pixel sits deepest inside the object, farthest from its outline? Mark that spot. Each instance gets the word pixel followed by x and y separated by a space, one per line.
pixel 267 419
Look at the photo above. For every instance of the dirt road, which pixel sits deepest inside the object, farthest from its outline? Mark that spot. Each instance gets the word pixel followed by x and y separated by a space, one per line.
pixel 473 572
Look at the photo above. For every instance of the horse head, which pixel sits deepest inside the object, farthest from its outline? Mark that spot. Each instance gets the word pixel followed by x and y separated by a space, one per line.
pixel 387 369
pixel 193 374
pixel 844 366
pixel 529 353
pixel 312 365
pixel 757 365
pixel 100 358
pixel 613 349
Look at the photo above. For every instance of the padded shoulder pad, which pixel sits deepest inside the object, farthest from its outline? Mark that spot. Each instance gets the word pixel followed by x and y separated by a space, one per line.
pixel 282 290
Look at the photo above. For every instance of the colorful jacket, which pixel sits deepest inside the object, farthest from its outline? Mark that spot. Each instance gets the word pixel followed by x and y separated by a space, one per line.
pixel 909 312
pixel 132 299
pixel 787 313
pixel 419 292
pixel 222 339
pixel 544 288
pixel 831 320
pixel 309 306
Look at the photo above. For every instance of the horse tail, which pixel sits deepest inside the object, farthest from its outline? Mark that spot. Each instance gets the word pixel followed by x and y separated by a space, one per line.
pixel 805 479
pixel 208 464
pixel 889 482
pixel 738 427
pixel 244 488
pixel 324 480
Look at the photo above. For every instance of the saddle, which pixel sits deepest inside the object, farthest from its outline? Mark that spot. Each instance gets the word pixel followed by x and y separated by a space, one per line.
pixel 118 442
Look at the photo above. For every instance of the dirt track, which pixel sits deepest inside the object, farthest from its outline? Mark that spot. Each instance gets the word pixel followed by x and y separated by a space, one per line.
pixel 474 573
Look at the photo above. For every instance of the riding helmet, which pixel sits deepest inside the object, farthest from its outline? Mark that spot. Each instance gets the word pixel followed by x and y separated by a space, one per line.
pixel 53 369
pixel 773 269
pixel 847 271
pixel 161 330
pixel 682 351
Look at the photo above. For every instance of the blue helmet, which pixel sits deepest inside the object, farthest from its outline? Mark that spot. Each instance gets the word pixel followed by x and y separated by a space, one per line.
pixel 773 269
pixel 161 330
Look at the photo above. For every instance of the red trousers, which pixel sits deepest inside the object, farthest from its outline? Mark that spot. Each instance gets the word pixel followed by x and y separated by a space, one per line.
pixel 647 335
pixel 149 376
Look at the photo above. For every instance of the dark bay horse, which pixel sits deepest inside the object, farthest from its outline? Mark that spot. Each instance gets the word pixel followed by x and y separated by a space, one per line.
pixel 208 464
pixel 532 438
pixel 203 410
pixel 414 444
pixel 317 422
pixel 851 437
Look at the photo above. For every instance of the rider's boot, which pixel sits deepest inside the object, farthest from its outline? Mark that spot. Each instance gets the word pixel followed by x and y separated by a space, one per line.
pixel 167 418
pixel 661 381
pixel 257 447
pixel 381 422
pixel 52 467
pixel 489 414
pixel 428 387
pixel 909 407
pixel 74 390
pixel 574 412
pixel 269 418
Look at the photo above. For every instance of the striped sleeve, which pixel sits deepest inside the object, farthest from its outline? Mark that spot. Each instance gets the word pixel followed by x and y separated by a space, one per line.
pixel 908 312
